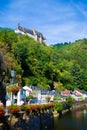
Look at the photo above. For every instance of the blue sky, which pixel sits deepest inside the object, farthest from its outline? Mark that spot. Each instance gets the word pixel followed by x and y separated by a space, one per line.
pixel 58 20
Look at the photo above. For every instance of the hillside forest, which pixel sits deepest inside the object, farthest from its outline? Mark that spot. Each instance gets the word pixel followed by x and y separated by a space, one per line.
pixel 59 66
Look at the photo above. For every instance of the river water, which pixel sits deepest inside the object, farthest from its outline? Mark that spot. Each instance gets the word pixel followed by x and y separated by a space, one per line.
pixel 75 120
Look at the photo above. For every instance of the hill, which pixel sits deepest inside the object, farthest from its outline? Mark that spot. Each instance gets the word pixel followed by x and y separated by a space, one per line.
pixel 74 60
pixel 48 67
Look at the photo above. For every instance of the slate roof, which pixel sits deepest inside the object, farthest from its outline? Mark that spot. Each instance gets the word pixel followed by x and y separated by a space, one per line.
pixel 39 34
pixel 32 32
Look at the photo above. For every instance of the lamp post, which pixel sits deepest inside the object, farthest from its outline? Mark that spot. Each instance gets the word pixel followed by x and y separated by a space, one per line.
pixel 13 73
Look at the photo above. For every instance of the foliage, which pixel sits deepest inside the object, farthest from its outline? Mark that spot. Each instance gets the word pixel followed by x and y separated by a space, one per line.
pixel 48 98
pixel 75 56
pixel 30 97
pixel 39 65
pixel 31 107
pixel 58 106
pixel 26 108
pixel 2 111
pixel 69 101
pixel 13 88
pixel 57 97
pixel 14 109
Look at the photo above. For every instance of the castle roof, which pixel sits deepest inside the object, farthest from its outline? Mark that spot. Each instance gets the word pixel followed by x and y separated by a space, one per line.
pixel 32 32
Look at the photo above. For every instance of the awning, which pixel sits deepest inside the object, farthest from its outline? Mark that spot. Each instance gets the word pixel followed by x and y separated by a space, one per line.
pixel 27 89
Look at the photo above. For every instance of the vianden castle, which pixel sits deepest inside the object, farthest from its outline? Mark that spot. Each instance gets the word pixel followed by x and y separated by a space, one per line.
pixel 31 33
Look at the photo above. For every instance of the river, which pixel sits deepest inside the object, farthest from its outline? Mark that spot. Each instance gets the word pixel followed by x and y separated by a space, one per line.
pixel 75 120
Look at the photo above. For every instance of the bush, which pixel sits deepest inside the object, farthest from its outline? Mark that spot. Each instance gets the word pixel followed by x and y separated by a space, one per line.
pixel 30 97
pixel 48 98
pixel 2 111
pixel 69 101
pixel 56 97
pixel 58 107
pixel 13 88
pixel 13 109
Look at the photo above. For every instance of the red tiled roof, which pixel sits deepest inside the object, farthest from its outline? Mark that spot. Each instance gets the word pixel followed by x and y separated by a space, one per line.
pixel 65 92
pixel 77 93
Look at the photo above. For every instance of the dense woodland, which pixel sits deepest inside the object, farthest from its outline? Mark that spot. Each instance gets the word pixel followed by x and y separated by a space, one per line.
pixel 58 66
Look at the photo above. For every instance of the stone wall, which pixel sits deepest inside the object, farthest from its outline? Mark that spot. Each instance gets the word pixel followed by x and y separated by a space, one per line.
pixel 28 121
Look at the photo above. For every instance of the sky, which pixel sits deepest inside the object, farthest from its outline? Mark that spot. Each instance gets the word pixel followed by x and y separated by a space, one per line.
pixel 58 20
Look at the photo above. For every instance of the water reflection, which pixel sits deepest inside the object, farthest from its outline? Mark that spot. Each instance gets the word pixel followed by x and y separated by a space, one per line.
pixel 76 120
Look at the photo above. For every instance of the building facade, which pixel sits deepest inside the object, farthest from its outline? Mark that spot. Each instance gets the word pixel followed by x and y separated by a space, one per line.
pixel 31 33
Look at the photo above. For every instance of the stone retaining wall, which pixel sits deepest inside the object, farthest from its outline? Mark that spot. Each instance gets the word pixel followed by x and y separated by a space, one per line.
pixel 31 121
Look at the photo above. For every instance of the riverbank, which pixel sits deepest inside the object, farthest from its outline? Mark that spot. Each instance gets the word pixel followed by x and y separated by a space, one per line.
pixel 56 114
pixel 76 119
pixel 73 108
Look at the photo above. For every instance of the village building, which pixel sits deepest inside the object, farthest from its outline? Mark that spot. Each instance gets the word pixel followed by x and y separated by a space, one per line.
pixel 31 33
pixel 65 93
